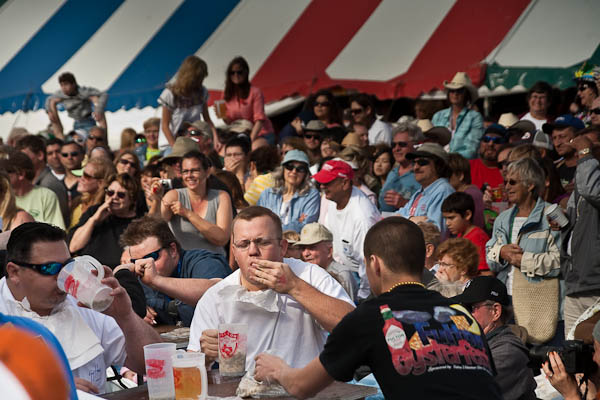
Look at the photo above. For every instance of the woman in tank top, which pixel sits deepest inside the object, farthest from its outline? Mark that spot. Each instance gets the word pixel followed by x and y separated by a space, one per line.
pixel 200 218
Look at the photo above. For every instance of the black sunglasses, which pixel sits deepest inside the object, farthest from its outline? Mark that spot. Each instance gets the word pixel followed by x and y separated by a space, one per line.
pixel 111 193
pixel 355 111
pixel 456 90
pixel 322 104
pixel 400 144
pixel 72 154
pixel 299 168
pixel 233 72
pixel 88 176
pixel 50 268
pixel 595 110
pixel 512 182
pixel 155 255
pixel 127 162
pixel 96 138
pixel 583 86
pixel 312 136
pixel 422 162
pixel 493 139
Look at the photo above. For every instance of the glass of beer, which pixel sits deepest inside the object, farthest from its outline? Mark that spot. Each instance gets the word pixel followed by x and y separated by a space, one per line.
pixel 220 108
pixel 189 375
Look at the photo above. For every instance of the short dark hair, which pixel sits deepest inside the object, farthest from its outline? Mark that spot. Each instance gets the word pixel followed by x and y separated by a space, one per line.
pixel 241 141
pixel 67 77
pixel 460 165
pixel 79 147
pixel 22 163
pixel 32 142
pixel 441 167
pixel 196 155
pixel 140 229
pixel 266 159
pixel 399 243
pixel 252 212
pixel 54 141
pixel 460 203
pixel 24 236
pixel 128 183
pixel 540 87
pixel 365 100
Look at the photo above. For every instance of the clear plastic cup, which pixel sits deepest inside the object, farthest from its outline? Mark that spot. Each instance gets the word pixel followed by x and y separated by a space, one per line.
pixel 159 370
pixel 233 339
pixel 76 278
pixel 189 375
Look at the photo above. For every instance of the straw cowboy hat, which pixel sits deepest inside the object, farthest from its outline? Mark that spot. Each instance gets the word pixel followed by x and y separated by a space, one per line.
pixel 462 80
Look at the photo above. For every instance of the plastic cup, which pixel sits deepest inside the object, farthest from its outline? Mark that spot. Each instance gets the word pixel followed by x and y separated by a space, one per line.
pixel 220 108
pixel 233 339
pixel 555 214
pixel 159 370
pixel 76 278
pixel 189 374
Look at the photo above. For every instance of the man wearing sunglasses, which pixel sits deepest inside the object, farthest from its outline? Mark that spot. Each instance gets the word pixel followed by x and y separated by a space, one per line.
pixel 173 279
pixel 363 112
pixel 484 170
pixel 36 252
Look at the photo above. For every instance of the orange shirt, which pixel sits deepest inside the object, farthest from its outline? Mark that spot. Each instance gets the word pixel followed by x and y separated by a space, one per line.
pixel 251 108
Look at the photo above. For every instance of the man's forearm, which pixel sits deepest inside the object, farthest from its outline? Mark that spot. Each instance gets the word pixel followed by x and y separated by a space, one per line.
pixel 304 382
pixel 327 310
pixel 137 334
pixel 187 290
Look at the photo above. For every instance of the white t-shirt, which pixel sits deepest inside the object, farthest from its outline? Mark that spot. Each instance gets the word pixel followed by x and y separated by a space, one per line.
pixel 537 122
pixel 349 227
pixel 181 113
pixel 297 336
pixel 514 236
pixel 380 132
pixel 104 327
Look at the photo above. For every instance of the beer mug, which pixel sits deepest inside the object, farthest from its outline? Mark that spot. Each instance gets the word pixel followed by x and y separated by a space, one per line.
pixel 76 279
pixel 233 340
pixel 189 375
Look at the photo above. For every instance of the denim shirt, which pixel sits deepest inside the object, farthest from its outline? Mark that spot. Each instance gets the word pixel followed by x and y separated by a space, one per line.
pixel 468 133
pixel 430 204
pixel 404 184
pixel 303 209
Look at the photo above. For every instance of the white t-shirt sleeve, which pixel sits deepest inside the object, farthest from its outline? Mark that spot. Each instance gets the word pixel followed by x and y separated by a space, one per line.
pixel 167 99
pixel 205 317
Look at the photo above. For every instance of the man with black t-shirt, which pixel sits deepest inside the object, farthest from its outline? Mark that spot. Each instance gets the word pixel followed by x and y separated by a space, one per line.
pixel 416 342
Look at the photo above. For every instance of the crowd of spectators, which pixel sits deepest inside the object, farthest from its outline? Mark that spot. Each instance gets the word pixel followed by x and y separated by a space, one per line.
pixel 339 208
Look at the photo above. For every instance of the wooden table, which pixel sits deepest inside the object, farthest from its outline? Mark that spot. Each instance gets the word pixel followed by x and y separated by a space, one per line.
pixel 226 386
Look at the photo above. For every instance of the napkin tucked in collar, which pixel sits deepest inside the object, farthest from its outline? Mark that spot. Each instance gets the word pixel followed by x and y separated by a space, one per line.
pixel 268 300
pixel 80 343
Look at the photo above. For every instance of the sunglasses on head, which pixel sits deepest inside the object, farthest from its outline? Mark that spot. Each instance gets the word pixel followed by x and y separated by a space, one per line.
pixel 322 104
pixel 355 111
pixel 72 154
pixel 111 193
pixel 595 110
pixel 493 139
pixel 155 255
pixel 299 168
pixel 312 136
pixel 399 144
pixel 422 162
pixel 50 268
pixel 127 162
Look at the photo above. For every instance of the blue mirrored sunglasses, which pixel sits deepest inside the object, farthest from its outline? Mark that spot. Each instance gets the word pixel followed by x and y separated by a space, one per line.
pixel 154 255
pixel 50 268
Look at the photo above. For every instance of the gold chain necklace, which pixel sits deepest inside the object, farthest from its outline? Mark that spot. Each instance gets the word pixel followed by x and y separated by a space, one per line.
pixel 405 283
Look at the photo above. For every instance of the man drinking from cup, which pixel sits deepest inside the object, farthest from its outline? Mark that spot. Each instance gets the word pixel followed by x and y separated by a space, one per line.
pixel 288 305
pixel 36 253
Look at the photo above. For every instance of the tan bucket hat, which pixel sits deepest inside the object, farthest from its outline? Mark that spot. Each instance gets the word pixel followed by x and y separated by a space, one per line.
pixel 437 134
pixel 314 233
pixel 462 80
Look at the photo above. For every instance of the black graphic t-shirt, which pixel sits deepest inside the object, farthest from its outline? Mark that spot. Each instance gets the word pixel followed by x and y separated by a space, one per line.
pixel 417 343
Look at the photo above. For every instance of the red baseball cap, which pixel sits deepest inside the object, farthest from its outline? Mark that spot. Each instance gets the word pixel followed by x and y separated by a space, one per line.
pixel 334 169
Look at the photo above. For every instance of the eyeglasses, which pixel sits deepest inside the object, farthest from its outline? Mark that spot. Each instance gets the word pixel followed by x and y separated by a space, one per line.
pixel 475 307
pixel 111 193
pixel 96 138
pixel 195 132
pixel 301 169
pixel 445 265
pixel 155 255
pixel 312 136
pixel 595 110
pixel 422 162
pixel 140 140
pixel 50 268
pixel 127 162
pixel 72 154
pixel 456 90
pixel 512 182
pixel 355 111
pixel 583 86
pixel 191 171
pixel 88 176
pixel 399 144
pixel 261 243
pixel 502 164
pixel 493 139
pixel 236 72
pixel 322 104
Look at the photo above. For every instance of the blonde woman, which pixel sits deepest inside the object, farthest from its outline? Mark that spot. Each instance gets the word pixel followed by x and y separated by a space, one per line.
pixel 185 99
pixel 11 215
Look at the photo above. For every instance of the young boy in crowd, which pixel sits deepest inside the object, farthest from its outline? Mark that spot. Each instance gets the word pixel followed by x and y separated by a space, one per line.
pixel 457 210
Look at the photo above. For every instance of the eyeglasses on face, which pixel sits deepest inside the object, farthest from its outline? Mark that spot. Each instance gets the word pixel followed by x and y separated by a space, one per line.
pixel 111 193
pixel 446 265
pixel 422 162
pixel 88 176
pixel 312 136
pixel 71 154
pixel 322 104
pixel 155 255
pixel 461 90
pixel 236 72
pixel 399 144
pixel 127 162
pixel 140 140
pixel 512 182
pixel 195 132
pixel 50 268
pixel 595 110
pixel 96 138
pixel 583 86
pixel 261 243
pixel 475 307
pixel 301 169
pixel 355 111
pixel 493 139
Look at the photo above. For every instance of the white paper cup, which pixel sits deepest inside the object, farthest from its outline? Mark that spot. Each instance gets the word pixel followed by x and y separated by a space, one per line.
pixel 555 214
pixel 76 279
pixel 233 339
pixel 159 370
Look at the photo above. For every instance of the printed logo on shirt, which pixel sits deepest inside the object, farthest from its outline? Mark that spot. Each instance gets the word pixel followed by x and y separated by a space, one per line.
pixel 449 339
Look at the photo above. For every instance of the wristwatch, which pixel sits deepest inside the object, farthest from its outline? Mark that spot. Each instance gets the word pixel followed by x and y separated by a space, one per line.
pixel 584 152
